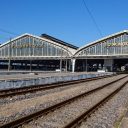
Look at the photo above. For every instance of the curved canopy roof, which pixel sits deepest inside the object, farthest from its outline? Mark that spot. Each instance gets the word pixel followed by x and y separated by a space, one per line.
pixel 118 45
pixel 71 49
pixel 100 40
pixel 28 45
pixel 59 41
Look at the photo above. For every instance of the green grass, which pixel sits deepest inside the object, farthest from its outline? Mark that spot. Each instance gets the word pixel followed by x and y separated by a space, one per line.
pixel 118 122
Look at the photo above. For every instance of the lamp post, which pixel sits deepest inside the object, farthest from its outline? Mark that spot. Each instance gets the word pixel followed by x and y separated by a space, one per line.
pixel 66 59
pixel 9 60
pixel 108 66
pixel 61 62
pixel 30 57
pixel 30 65
pixel 86 62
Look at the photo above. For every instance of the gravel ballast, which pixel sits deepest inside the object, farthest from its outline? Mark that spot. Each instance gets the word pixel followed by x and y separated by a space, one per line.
pixel 18 109
pixel 46 92
pixel 64 115
pixel 109 114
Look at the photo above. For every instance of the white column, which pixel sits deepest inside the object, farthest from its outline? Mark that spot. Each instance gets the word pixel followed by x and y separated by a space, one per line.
pixel 73 65
pixel 61 65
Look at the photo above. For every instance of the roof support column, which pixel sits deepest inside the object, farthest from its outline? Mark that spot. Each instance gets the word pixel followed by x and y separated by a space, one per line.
pixel 61 65
pixel 66 65
pixel 10 52
pixel 73 65
pixel 30 65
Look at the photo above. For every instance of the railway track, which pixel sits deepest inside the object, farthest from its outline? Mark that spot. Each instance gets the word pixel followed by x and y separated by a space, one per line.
pixel 78 120
pixel 31 89
pixel 75 122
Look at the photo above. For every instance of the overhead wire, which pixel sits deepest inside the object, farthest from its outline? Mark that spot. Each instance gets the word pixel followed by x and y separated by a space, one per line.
pixel 6 31
pixel 5 38
pixel 92 17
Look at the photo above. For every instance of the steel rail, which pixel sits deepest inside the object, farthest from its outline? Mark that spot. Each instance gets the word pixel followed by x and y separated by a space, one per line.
pixel 28 118
pixel 31 89
pixel 77 121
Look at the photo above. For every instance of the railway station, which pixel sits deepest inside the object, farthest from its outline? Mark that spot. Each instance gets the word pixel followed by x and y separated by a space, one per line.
pixel 63 64
pixel 47 53
pixel 85 89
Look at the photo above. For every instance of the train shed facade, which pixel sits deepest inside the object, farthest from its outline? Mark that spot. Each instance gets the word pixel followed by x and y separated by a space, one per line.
pixel 109 54
pixel 30 52
pixel 46 53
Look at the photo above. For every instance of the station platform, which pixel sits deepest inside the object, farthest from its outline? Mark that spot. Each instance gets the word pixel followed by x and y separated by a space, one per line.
pixel 21 79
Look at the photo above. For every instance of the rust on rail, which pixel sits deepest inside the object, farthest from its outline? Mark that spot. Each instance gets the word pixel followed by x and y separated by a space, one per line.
pixel 32 116
pixel 31 89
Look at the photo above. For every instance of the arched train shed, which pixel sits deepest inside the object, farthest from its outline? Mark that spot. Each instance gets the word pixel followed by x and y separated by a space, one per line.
pixel 46 53
pixel 109 53
pixel 30 52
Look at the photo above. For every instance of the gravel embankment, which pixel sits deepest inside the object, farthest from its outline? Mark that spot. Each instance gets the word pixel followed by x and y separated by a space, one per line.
pixel 64 115
pixel 109 114
pixel 17 109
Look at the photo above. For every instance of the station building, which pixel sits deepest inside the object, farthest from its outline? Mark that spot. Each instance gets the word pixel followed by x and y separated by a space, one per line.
pixel 46 53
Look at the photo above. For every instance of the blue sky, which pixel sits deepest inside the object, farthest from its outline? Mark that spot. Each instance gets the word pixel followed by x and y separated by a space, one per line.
pixel 67 20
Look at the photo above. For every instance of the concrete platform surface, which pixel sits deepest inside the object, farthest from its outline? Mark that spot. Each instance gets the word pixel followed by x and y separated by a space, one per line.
pixel 30 79
pixel 29 75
